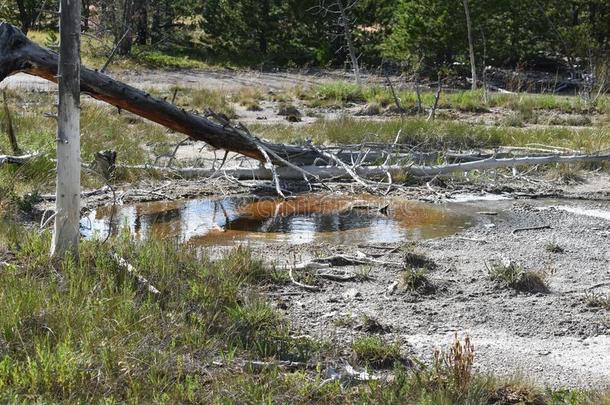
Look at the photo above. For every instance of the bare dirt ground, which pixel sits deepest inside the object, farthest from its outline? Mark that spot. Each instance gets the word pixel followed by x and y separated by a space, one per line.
pixel 220 79
pixel 552 338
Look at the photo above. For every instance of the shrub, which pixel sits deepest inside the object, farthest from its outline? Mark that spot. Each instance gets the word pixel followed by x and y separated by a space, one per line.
pixel 453 368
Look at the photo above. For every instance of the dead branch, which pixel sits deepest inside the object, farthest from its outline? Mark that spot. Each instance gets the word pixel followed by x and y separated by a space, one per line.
pixel 113 52
pixel 336 277
pixel 18 160
pixel 341 261
pixel 530 228
pixel 299 284
pixel 271 166
pixel 437 97
pixel 103 190
pixel 394 95
pixel 133 273
pixel 347 169
pixel 10 129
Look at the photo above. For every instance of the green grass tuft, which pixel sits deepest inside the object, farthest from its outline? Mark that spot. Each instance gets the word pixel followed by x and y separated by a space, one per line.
pixel 553 247
pixel 85 331
pixel 516 277
pixel 374 352
pixel 336 94
pixel 416 280
pixel 594 300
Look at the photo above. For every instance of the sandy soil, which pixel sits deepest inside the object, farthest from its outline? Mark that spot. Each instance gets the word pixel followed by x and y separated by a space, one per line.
pixel 221 79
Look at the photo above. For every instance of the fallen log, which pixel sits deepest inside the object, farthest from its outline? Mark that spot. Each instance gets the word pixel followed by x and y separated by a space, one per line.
pixel 17 160
pixel 340 172
pixel 142 281
pixel 19 54
pixel 10 129
pixel 370 172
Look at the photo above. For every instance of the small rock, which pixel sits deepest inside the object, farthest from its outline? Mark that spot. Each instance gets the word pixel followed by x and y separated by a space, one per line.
pixel 351 294
pixel 545 353
pixel 218 228
pixel 392 288
pixel 293 118
pixel 289 110
pixel 371 325
pixel 370 109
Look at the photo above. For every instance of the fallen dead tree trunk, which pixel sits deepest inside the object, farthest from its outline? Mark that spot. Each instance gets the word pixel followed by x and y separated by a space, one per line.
pixel 19 54
pixel 341 172
pixel 142 281
pixel 370 172
pixel 17 160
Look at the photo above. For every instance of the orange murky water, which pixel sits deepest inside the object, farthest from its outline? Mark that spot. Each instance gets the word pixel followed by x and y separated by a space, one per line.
pixel 312 218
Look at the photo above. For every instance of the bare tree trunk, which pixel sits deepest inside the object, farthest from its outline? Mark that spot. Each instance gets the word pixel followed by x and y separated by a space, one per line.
pixel 418 103
pixel 263 41
pixel 473 67
pixel 85 4
pixel 67 232
pixel 123 33
pixel 10 129
pixel 375 172
pixel 437 97
pixel 155 30
pixel 141 15
pixel 25 16
pixel 345 23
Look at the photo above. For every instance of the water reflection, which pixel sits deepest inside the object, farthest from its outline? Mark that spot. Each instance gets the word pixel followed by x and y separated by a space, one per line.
pixel 330 218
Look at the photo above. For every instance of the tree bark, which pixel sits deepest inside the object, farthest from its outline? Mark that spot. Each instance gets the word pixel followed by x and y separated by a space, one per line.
pixel 19 54
pixel 86 14
pixel 141 13
pixel 25 17
pixel 263 42
pixel 123 36
pixel 67 230
pixel 10 129
pixel 473 67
